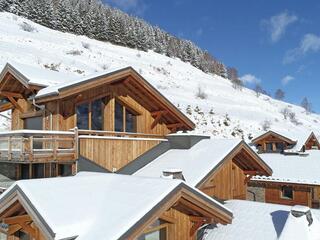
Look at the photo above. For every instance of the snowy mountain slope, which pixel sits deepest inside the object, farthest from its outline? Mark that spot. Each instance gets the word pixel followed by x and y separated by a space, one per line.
pixel 224 111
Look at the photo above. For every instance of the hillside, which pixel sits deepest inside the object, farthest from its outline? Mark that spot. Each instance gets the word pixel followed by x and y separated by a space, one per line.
pixel 221 111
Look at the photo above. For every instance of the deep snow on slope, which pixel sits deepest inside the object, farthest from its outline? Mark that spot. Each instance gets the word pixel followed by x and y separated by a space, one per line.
pixel 225 111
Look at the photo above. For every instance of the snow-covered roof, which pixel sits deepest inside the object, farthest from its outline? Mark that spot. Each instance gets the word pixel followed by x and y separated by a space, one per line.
pixel 255 220
pixel 196 163
pixel 96 205
pixel 293 168
pixel 55 89
pixel 37 76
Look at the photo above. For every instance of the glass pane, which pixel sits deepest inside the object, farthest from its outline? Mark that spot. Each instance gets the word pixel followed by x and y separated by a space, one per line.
pixel 156 235
pixel 25 171
pixel 83 116
pixel 130 121
pixel 38 170
pixel 280 146
pixel 65 170
pixel 97 115
pixel 118 118
pixel 269 147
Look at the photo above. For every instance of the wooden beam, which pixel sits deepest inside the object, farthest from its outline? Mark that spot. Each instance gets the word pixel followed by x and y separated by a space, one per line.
pixel 198 222
pixel 13 229
pixel 6 107
pixel 11 94
pixel 15 103
pixel 157 119
pixel 17 219
pixel 5 80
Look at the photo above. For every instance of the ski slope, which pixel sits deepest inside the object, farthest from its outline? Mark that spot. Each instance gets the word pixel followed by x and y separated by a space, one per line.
pixel 225 111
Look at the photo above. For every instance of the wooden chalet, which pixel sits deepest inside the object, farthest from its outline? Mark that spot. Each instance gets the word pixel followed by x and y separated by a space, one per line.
pixel 109 120
pixel 221 168
pixel 275 142
pixel 106 206
pixel 295 180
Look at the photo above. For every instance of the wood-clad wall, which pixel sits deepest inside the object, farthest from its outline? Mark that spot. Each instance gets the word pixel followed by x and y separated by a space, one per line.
pixel 270 139
pixel 301 195
pixel 114 153
pixel 228 182
pixel 181 227
pixel 63 115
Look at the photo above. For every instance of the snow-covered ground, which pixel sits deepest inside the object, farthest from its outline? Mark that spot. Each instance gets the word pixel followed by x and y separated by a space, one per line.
pixel 224 112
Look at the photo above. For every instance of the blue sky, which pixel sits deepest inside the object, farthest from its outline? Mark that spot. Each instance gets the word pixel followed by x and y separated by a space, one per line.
pixel 276 43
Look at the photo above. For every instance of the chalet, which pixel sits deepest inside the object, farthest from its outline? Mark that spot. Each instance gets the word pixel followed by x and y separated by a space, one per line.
pixel 253 220
pixel 107 206
pixel 221 168
pixel 285 142
pixel 62 124
pixel 295 180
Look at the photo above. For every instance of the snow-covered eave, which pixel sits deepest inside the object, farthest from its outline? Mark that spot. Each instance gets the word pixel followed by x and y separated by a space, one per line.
pixel 9 68
pixel 285 180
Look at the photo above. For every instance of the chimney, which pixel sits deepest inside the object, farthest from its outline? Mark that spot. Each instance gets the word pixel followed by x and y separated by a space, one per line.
pixel 300 224
pixel 173 174
pixel 302 211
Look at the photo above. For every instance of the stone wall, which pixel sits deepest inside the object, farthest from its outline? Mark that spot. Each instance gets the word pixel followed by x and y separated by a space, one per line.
pixel 255 193
pixel 8 170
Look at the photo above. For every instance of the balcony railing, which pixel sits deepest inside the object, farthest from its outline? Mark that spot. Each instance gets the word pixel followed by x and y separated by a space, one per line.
pixel 38 146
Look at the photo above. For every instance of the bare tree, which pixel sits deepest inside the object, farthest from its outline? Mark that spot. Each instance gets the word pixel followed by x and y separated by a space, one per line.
pixel 279 94
pixel 258 90
pixel 306 105
pixel 234 78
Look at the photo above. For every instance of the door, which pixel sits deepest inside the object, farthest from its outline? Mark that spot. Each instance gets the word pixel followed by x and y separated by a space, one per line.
pixel 34 123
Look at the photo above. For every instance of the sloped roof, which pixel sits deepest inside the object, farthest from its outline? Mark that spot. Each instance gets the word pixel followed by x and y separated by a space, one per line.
pixel 297 137
pixel 255 220
pixel 96 205
pixel 293 168
pixel 197 162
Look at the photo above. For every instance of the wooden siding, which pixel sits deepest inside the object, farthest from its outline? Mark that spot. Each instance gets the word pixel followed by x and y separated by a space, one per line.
pixel 228 182
pixel 270 139
pixel 312 143
pixel 61 114
pixel 114 153
pixel 301 195
pixel 180 228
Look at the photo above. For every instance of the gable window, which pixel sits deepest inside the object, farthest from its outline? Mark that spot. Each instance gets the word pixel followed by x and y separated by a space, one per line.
pixel 287 192
pixel 269 147
pixel 124 119
pixel 90 115
pixel 156 231
pixel 280 146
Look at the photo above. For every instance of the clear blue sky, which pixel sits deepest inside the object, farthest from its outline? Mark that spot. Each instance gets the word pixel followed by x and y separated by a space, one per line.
pixel 273 42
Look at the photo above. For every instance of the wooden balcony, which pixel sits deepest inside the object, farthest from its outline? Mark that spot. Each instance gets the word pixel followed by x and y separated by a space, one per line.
pixel 25 146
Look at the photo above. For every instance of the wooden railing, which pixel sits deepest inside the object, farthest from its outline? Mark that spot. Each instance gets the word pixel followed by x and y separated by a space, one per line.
pixel 38 146
pixel 118 134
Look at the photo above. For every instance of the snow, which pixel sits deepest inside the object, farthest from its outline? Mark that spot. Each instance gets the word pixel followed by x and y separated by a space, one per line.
pixel 254 220
pixel 292 168
pixel 176 80
pixel 195 162
pixel 92 206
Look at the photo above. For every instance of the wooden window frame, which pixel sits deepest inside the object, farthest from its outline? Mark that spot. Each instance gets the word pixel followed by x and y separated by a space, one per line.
pixel 89 102
pixel 158 228
pixel 126 107
pixel 282 191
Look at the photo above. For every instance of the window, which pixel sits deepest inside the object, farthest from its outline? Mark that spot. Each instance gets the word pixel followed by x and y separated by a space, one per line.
pixel 97 114
pixel 124 119
pixel 90 115
pixel 287 192
pixel 38 170
pixel 269 147
pixel 157 231
pixel 82 112
pixel 280 146
pixel 65 170
pixel 24 171
pixel 34 123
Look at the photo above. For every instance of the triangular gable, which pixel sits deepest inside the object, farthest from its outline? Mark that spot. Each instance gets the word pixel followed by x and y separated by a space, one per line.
pixel 308 142
pixel 275 134
pixel 140 89
pixel 246 158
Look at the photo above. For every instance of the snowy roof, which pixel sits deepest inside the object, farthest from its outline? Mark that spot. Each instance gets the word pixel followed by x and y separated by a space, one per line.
pixel 196 163
pixel 33 75
pixel 255 220
pixel 300 137
pixel 96 205
pixel 55 89
pixel 293 168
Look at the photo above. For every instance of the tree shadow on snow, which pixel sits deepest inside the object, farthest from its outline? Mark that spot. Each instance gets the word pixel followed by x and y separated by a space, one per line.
pixel 279 219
